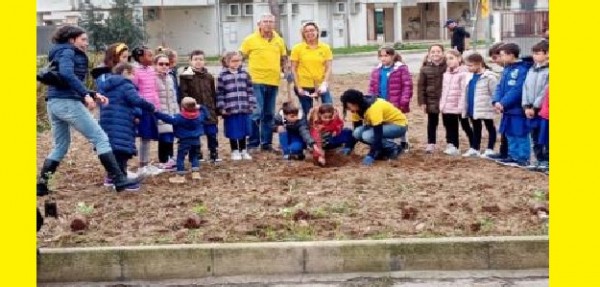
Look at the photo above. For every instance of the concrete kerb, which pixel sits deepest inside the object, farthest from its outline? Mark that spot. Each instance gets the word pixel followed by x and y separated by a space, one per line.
pixel 289 258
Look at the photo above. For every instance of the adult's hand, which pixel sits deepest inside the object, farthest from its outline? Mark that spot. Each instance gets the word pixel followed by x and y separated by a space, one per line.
pixel 89 102
pixel 101 99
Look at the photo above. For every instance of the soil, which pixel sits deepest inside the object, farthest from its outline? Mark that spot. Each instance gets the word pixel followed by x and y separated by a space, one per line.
pixel 270 199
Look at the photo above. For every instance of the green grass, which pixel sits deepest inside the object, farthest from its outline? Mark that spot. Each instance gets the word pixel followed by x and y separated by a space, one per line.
pixel 355 49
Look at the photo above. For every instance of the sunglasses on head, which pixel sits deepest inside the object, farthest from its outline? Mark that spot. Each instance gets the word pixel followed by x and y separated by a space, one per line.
pixel 163 63
pixel 309 23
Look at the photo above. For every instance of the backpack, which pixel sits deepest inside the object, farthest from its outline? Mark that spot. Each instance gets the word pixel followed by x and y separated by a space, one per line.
pixel 48 75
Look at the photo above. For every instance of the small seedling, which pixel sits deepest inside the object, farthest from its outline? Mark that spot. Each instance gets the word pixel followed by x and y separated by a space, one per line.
pixel 200 209
pixel 539 195
pixel 487 224
pixel 286 212
pixel 84 209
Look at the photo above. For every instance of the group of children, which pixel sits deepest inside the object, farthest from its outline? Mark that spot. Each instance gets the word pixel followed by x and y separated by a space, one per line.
pixel 149 100
pixel 469 93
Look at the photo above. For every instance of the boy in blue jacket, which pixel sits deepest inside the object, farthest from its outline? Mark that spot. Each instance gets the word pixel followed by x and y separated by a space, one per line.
pixel 507 100
pixel 188 126
pixel 117 118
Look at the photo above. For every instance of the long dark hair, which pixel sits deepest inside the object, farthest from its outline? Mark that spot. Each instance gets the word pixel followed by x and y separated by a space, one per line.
pixel 65 33
pixel 138 52
pixel 112 54
pixel 355 97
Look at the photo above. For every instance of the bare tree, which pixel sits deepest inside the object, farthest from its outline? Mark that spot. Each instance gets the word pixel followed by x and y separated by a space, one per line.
pixel 274 8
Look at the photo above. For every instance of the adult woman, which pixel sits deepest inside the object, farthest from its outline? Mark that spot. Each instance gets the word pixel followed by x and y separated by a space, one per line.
pixel 311 65
pixel 67 109
pixel 115 53
pixel 376 123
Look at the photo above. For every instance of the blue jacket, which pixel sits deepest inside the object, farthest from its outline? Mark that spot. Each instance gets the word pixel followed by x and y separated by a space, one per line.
pixel 510 88
pixel 72 67
pixel 187 129
pixel 116 118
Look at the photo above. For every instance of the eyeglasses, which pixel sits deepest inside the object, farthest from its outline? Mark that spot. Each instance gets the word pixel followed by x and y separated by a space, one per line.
pixel 163 64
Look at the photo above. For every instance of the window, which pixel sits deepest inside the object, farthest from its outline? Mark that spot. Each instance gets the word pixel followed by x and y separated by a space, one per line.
pixel 340 8
pixel 233 10
pixel 248 9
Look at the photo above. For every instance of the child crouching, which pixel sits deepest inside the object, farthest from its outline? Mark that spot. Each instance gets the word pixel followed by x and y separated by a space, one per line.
pixel 327 129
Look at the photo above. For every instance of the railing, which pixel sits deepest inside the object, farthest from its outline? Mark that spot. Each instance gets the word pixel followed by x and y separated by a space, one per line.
pixel 523 24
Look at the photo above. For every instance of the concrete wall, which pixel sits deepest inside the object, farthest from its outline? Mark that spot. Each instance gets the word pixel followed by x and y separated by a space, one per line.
pixel 185 29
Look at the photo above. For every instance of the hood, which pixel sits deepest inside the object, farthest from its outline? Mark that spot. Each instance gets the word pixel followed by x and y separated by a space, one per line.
pixel 542 67
pixel 98 71
pixel 520 64
pixel 394 67
pixel 112 82
pixel 59 48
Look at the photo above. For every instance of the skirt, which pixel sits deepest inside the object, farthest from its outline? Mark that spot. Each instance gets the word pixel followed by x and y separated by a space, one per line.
pixel 147 128
pixel 237 126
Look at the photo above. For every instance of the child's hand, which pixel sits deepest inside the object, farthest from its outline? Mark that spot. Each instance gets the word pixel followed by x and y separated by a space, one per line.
pixel 323 88
pixel 499 107
pixel 424 107
pixel 317 149
pixel 530 113
pixel 101 99
pixel 280 129
pixel 223 113
pixel 136 121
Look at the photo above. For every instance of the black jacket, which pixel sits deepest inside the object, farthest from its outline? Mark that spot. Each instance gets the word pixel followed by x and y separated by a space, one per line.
pixel 458 38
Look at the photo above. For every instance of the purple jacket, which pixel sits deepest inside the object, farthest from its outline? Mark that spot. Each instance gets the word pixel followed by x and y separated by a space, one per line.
pixel 400 86
pixel 234 92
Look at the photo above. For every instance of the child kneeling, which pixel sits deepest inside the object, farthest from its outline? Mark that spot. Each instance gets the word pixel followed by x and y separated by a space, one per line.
pixel 294 135
pixel 327 129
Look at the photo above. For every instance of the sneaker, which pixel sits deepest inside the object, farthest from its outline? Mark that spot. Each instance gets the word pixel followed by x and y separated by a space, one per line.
pixel 533 166
pixel 177 179
pixel 430 148
pixel 246 155
pixel 236 155
pixel 451 150
pixel 300 156
pixel 508 162
pixel 404 147
pixel 321 161
pixel 395 152
pixel 149 170
pixel 108 182
pixel 471 153
pixel 286 157
pixel 132 175
pixel 196 175
pixel 497 157
pixel 523 164
pixel 487 153
pixel 214 158
pixel 170 165
pixel 133 187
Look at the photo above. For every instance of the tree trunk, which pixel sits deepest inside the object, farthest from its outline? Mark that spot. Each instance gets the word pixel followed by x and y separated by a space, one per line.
pixel 274 8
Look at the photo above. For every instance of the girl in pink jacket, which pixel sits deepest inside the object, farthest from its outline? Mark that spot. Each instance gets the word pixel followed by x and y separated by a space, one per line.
pixel 391 81
pixel 145 80
pixel 452 102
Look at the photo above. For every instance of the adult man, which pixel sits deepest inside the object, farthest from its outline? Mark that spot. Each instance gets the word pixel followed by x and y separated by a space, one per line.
pixel 459 34
pixel 266 53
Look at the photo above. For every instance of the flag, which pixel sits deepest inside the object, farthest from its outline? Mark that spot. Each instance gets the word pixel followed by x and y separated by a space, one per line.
pixel 485 8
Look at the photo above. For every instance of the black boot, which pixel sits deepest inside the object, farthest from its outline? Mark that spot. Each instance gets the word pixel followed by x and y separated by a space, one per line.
pixel 119 179
pixel 47 171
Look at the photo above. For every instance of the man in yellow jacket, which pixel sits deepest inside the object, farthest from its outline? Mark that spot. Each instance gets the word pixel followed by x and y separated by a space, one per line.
pixel 266 53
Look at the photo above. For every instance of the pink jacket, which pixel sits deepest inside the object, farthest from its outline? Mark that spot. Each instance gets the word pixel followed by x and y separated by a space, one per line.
pixel 400 86
pixel 454 83
pixel 145 80
pixel 545 109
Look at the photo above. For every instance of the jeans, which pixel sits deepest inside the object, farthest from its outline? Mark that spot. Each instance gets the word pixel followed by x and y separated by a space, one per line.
pixel 184 149
pixel 291 143
pixel 519 148
pixel 262 118
pixel 390 132
pixel 307 102
pixel 67 113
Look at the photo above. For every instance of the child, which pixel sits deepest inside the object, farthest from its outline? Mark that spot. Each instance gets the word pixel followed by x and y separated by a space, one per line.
pixel 429 90
pixel 116 118
pixel 187 127
pixel 294 135
pixel 376 123
pixel 391 80
pixel 145 80
pixel 481 85
pixel 235 101
pixel 534 89
pixel 452 101
pixel 199 84
pixel 507 100
pixel 327 129
pixel 168 105
pixel 544 138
